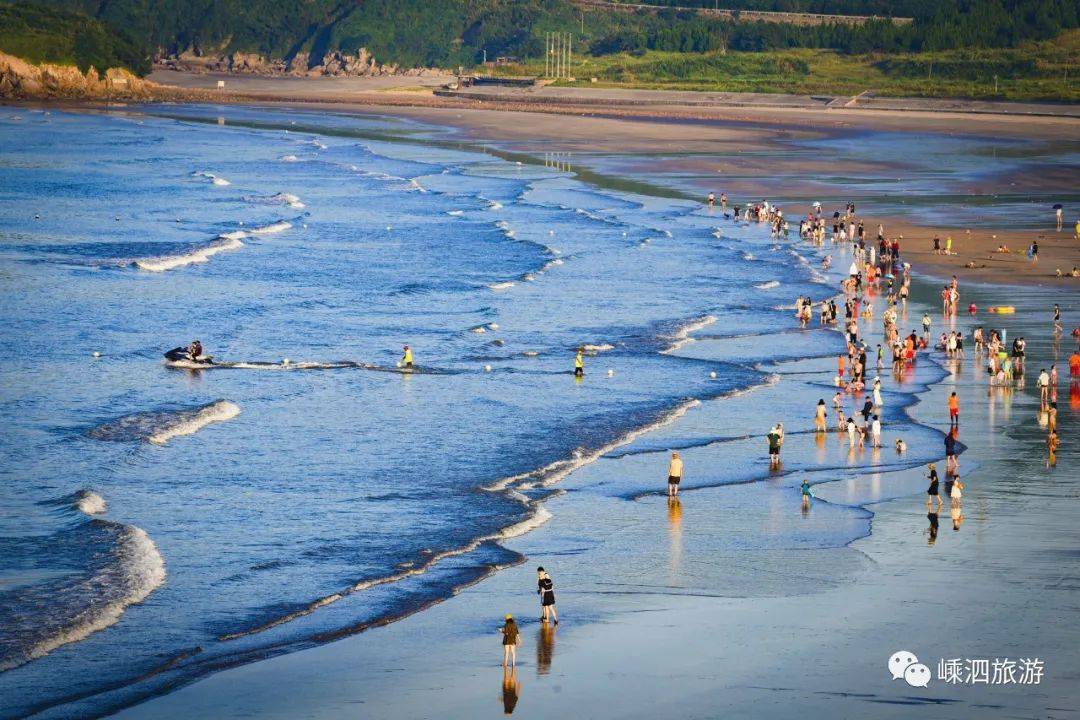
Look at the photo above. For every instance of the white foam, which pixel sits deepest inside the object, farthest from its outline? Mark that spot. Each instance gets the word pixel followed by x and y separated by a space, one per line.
pixel 455 213
pixel 494 205
pixel 272 228
pixel 221 181
pixel 768 285
pixel 288 199
pixel 90 503
pixel 598 348
pixel 560 469
pixel 682 335
pixel 215 412
pixel 499 286
pixel 414 185
pixel 140 570
pixel 289 158
pixel 195 256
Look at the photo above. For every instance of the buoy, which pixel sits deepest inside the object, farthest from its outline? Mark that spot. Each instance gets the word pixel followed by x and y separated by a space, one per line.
pixel 713 374
pixel 610 373
pixel 97 354
pixel 241 222
pixel 487 368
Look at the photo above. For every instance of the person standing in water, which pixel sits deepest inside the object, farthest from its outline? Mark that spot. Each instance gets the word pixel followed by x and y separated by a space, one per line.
pixel 674 474
pixel 819 418
pixel 511 638
pixel 711 199
pixel 545 588
pixel 806 494
pixel 579 363
pixel 775 439
pixel 406 358
pixel 954 410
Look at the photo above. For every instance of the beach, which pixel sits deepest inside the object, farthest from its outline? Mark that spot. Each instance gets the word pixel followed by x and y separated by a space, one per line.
pixel 732 599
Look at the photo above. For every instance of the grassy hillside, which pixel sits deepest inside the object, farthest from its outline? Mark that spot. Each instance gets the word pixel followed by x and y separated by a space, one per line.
pixel 1044 70
pixel 41 34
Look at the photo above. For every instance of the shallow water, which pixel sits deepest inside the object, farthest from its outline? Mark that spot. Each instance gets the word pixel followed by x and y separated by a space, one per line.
pixel 252 507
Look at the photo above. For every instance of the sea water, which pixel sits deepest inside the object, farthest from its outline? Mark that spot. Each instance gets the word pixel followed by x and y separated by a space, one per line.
pixel 161 523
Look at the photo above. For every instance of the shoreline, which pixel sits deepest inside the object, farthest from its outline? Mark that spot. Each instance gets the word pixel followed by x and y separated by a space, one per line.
pixel 453 687
pixel 528 124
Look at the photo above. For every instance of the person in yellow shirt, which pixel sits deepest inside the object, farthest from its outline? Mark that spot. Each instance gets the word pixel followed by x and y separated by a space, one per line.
pixel 674 474
pixel 406 358
pixel 579 364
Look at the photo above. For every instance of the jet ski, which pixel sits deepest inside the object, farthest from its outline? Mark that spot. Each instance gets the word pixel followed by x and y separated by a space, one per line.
pixel 179 357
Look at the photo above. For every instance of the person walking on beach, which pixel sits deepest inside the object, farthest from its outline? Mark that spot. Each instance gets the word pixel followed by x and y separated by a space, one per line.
pixel 926 326
pixel 1044 386
pixel 1033 251
pixel 511 638
pixel 1058 210
pixel 674 474
pixel 545 588
pixel 952 462
pixel 775 440
pixel 956 494
pixel 819 417
pixel 932 493
pixel 954 410
pixel 579 363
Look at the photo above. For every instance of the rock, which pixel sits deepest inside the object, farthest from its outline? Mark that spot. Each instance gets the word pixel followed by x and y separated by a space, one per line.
pixel 20 79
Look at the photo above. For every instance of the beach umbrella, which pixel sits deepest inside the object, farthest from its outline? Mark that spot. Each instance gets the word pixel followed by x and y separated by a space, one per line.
pixel 1058 206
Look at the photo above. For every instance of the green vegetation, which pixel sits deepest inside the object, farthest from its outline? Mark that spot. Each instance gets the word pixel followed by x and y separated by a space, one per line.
pixel 1035 71
pixel 41 34
pixel 953 47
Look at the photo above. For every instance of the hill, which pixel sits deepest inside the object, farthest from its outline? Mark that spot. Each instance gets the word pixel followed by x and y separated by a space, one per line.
pixel 46 35
pixel 656 45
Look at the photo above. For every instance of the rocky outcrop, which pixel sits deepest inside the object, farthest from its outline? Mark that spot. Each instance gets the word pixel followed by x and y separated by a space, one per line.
pixel 20 79
pixel 336 63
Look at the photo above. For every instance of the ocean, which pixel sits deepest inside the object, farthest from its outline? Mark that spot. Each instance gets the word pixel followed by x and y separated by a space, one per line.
pixel 161 523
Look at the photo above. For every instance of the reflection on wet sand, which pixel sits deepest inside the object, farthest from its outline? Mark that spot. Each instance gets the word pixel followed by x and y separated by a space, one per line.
pixel 674 538
pixel 545 648
pixel 511 689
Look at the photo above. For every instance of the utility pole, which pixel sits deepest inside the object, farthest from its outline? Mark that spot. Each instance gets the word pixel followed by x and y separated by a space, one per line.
pixel 569 53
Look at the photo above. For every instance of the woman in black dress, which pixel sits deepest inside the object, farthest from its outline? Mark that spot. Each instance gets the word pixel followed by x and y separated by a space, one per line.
pixel 932 491
pixel 546 590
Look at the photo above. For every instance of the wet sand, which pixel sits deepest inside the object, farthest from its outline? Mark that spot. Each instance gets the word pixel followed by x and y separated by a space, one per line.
pixel 694 608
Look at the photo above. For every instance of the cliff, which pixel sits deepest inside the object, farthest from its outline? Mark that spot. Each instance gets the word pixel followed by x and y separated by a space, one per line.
pixel 26 81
